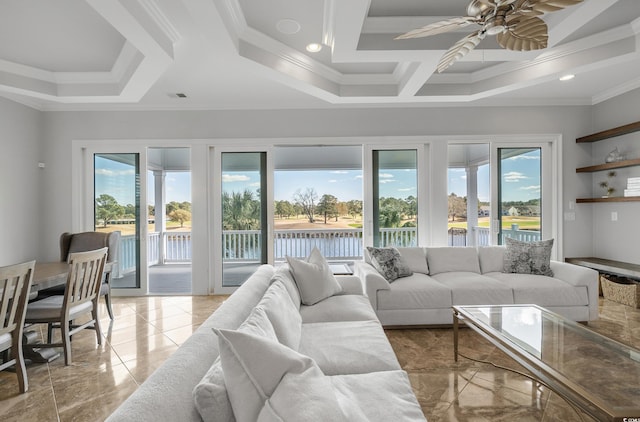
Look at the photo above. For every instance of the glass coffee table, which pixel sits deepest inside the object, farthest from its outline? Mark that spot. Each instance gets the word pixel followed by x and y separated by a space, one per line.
pixel 595 373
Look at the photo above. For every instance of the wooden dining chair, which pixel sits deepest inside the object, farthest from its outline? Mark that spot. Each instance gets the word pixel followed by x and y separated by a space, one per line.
pixel 80 298
pixel 89 241
pixel 15 285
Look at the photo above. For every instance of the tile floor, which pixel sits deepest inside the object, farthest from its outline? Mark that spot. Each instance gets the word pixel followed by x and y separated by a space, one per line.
pixel 147 330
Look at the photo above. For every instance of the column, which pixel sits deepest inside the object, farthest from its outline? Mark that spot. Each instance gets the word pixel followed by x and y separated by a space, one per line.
pixel 472 203
pixel 160 208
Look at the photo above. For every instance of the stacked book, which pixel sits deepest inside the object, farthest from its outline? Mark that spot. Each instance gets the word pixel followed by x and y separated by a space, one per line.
pixel 633 187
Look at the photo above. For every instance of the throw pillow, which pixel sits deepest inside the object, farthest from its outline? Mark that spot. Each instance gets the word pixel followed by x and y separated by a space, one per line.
pixel 314 278
pixel 211 398
pixel 270 382
pixel 416 259
pixel 528 257
pixel 283 314
pixel 389 263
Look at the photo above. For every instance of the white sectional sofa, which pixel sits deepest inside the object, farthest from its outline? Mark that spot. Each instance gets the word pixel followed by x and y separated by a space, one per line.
pixel 447 276
pixel 340 335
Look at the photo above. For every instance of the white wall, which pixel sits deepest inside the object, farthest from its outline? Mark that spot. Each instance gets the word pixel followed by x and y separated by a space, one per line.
pixel 616 239
pixel 60 128
pixel 21 214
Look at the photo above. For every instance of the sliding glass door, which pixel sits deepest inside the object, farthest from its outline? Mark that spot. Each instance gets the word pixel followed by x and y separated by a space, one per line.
pixel 117 207
pixel 243 209
pixel 395 197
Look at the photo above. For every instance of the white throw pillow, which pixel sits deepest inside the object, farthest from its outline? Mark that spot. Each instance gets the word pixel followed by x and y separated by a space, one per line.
pixel 270 382
pixel 211 398
pixel 210 394
pixel 283 314
pixel 314 278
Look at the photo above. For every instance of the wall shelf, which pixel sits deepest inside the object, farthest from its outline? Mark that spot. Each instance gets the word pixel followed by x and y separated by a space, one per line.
pixel 609 166
pixel 600 136
pixel 610 133
pixel 612 199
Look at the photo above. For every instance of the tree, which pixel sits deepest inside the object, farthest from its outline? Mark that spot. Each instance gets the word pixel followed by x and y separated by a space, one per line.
pixel 240 211
pixel 457 206
pixel 307 202
pixel 284 209
pixel 180 216
pixel 107 208
pixel 354 208
pixel 328 206
pixel 411 209
pixel 391 212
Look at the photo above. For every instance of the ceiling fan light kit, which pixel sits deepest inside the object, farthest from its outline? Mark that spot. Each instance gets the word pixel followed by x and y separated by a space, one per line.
pixel 515 24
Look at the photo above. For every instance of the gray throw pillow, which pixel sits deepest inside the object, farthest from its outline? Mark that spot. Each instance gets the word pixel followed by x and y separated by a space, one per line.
pixel 389 263
pixel 528 257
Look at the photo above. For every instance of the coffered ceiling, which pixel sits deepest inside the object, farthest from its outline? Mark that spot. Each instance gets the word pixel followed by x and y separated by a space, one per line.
pixel 251 54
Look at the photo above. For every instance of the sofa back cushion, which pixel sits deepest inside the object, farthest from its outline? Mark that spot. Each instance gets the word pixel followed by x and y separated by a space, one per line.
pixel 491 259
pixel 447 259
pixel 416 259
pixel 283 274
pixel 283 314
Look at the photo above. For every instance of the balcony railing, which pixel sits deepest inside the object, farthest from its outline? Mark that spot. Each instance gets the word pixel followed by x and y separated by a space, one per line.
pixel 244 245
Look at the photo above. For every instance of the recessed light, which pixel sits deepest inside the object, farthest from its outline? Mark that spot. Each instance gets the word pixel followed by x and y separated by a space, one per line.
pixel 288 26
pixel 567 77
pixel 314 47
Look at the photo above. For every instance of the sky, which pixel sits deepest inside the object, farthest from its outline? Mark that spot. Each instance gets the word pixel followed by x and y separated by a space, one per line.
pixel 520 176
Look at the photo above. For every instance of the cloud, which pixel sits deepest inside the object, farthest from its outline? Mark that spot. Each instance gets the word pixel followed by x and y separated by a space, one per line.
pixel 114 173
pixel 386 181
pixel 235 178
pixel 358 176
pixel 339 172
pixel 385 176
pixel 524 157
pixel 332 181
pixel 514 177
pixel 406 189
pixel 533 189
pixel 255 185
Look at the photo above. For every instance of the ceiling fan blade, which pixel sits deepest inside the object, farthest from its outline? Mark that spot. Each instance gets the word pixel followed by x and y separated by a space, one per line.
pixel 547 6
pixel 438 27
pixel 460 49
pixel 524 34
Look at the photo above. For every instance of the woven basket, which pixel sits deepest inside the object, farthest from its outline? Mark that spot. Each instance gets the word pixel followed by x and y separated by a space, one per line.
pixel 622 290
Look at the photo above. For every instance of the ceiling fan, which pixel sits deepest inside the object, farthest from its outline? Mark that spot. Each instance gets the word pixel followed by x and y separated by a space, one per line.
pixel 515 23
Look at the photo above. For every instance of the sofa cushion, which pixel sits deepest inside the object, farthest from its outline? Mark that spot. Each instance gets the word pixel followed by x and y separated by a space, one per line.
pixel 283 314
pixel 416 259
pixel 416 292
pixel 543 290
pixel 313 277
pixel 353 347
pixel 284 275
pixel 339 308
pixel 389 263
pixel 528 257
pixel 382 396
pixel 491 258
pixel 475 289
pixel 447 259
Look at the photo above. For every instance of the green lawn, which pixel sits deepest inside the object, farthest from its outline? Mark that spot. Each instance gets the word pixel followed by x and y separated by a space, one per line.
pixel 524 223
